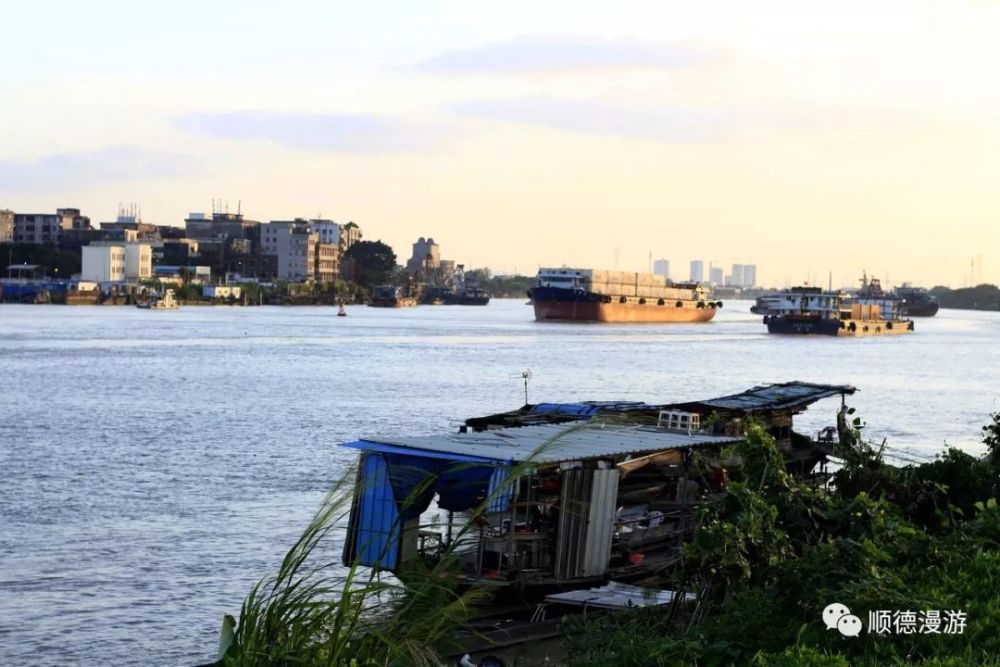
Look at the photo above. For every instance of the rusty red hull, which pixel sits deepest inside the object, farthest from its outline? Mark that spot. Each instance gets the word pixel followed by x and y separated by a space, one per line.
pixel 631 311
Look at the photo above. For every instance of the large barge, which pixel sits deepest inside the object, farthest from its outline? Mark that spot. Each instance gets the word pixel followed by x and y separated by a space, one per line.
pixel 618 296
pixel 811 310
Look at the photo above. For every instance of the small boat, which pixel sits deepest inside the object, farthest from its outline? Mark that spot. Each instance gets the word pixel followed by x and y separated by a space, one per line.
pixel 165 301
pixel 341 312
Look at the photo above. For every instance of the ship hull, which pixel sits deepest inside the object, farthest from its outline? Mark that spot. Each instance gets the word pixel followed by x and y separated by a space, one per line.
pixel 399 302
pixel 828 327
pixel 556 304
pixel 922 310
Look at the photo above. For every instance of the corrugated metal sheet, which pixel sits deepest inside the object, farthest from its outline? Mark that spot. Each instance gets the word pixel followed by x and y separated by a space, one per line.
pixel 776 396
pixel 500 490
pixel 377 532
pixel 543 443
pixel 600 523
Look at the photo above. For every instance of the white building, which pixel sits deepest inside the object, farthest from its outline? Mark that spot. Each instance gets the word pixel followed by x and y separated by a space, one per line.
pixel 294 244
pixel 661 267
pixel 328 230
pixel 103 263
pixel 736 276
pixel 749 275
pixel 697 271
pixel 138 261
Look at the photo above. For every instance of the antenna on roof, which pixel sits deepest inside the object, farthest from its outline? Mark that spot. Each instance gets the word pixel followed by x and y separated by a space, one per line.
pixel 524 375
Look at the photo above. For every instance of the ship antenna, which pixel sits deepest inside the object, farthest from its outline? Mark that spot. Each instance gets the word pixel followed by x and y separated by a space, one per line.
pixel 524 375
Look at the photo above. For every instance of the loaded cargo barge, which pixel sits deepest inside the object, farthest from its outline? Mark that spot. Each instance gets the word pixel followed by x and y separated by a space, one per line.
pixel 810 310
pixel 618 296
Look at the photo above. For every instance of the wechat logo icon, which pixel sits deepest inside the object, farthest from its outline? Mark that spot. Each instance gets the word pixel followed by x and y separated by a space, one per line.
pixel 838 616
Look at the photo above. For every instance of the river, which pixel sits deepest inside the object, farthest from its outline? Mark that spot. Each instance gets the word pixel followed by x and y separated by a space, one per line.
pixel 156 463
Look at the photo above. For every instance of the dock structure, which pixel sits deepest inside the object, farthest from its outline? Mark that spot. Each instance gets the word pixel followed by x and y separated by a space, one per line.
pixel 557 496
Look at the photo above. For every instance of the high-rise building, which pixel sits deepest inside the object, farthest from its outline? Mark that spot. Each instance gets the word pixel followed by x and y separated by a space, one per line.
pixel 749 275
pixel 715 276
pixel 661 267
pixel 736 276
pixel 697 271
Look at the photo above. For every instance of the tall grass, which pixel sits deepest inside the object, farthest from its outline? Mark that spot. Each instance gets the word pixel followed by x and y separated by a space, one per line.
pixel 315 611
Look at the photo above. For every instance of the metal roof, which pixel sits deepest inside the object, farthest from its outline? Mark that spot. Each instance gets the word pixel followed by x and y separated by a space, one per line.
pixel 788 395
pixel 549 443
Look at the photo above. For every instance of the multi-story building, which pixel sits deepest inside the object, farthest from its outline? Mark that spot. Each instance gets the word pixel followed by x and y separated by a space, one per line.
pixel 294 244
pixel 697 271
pixel 138 261
pixel 661 267
pixel 749 275
pixel 103 263
pixel 328 230
pixel 44 228
pixel 327 261
pixel 426 256
pixel 220 227
pixel 349 235
pixel 736 276
pixel 6 226
pixel 715 276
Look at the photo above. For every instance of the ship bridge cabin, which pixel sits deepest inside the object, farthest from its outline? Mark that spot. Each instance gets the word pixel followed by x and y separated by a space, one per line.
pixel 563 494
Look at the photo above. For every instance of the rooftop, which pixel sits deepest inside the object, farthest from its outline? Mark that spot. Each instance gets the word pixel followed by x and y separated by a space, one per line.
pixel 543 443
pixel 784 396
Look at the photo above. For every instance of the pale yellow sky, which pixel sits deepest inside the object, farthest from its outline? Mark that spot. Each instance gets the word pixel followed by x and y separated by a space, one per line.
pixel 856 137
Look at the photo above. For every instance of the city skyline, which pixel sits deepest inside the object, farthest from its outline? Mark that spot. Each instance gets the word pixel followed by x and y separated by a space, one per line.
pixel 843 139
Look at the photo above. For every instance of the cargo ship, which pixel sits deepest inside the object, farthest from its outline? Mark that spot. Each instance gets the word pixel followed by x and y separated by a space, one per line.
pixel 918 302
pixel 389 296
pixel 618 296
pixel 810 310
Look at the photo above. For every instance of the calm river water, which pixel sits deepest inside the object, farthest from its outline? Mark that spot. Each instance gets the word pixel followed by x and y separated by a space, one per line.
pixel 155 464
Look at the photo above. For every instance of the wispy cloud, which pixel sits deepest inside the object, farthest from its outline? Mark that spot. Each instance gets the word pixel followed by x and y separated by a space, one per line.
pixel 355 133
pixel 545 53
pixel 597 116
pixel 96 167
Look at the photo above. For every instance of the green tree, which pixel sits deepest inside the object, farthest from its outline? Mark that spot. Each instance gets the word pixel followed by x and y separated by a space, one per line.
pixel 375 262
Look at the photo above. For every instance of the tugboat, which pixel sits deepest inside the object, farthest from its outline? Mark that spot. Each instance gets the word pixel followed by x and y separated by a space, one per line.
pixel 390 296
pixel 917 301
pixel 810 310
pixel 165 301
pixel 618 296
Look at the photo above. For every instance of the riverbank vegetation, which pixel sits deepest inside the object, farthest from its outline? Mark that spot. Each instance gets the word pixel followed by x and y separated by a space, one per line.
pixel 981 297
pixel 768 558
pixel 774 552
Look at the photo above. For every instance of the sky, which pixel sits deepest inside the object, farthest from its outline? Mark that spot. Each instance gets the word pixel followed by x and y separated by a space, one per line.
pixel 807 138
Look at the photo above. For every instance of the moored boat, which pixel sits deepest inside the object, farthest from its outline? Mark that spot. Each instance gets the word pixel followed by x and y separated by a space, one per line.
pixel 165 301
pixel 390 296
pixel 618 296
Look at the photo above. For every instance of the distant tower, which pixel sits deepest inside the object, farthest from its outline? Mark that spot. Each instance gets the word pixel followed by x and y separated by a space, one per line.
pixel 697 271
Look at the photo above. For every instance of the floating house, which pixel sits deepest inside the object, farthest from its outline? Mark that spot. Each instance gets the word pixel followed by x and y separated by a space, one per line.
pixel 560 496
